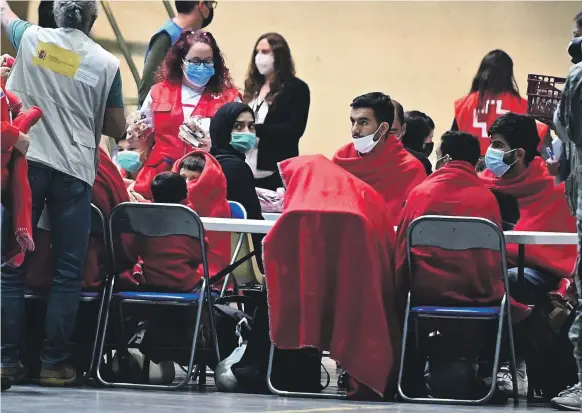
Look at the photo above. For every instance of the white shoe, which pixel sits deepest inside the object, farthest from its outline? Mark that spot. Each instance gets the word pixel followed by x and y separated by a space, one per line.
pixel 505 383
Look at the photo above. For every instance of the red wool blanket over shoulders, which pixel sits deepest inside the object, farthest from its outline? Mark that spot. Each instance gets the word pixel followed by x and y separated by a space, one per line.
pixel 542 207
pixel 328 262
pixel 442 277
pixel 390 169
pixel 207 196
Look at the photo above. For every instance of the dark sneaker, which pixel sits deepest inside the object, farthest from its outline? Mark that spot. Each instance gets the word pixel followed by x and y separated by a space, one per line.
pixel 58 376
pixel 569 399
pixel 5 383
pixel 12 375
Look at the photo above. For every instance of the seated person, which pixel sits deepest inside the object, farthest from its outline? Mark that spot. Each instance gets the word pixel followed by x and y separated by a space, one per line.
pixel 377 157
pixel 454 189
pixel 129 158
pixel 417 138
pixel 515 168
pixel 108 192
pixel 169 263
pixel 207 196
pixel 232 133
pixel 330 272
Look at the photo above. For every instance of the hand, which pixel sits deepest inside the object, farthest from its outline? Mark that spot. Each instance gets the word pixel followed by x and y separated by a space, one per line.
pixel 193 134
pixel 140 127
pixel 4 72
pixel 22 143
pixel 553 166
pixel 134 196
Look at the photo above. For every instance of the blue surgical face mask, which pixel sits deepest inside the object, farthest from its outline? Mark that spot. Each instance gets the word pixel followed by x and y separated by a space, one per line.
pixel 494 161
pixel 197 73
pixel 243 141
pixel 129 160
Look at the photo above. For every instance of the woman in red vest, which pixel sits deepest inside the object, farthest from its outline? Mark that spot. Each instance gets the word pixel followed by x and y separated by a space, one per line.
pixel 493 93
pixel 192 82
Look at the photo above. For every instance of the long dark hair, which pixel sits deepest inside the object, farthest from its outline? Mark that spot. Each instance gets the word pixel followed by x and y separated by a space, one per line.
pixel 284 68
pixel 495 76
pixel 171 69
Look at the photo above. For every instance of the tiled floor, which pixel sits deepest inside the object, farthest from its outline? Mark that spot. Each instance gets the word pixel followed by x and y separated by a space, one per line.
pixel 34 399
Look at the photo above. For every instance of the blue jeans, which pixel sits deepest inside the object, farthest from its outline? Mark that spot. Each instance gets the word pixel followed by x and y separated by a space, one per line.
pixel 69 205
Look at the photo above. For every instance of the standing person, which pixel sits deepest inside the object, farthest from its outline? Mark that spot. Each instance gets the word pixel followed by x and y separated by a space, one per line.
pixel 281 105
pixel 193 15
pixel 568 122
pixel 493 93
pixel 193 81
pixel 80 101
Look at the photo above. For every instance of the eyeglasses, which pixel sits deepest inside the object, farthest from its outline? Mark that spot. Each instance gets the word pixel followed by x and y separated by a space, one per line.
pixel 211 4
pixel 198 62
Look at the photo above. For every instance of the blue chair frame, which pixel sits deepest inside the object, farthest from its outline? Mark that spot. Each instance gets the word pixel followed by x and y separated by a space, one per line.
pixel 158 220
pixel 237 211
pixel 460 234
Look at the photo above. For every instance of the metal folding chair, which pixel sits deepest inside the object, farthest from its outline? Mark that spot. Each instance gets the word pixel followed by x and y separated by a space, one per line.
pixel 98 226
pixel 158 220
pixel 460 234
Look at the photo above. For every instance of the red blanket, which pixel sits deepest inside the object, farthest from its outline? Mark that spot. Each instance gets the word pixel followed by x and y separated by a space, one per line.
pixel 542 207
pixel 328 262
pixel 207 196
pixel 20 194
pixel 389 169
pixel 443 277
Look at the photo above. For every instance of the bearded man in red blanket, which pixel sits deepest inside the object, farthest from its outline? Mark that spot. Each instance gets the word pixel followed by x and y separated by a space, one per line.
pixel 330 270
pixel 377 157
pixel 515 168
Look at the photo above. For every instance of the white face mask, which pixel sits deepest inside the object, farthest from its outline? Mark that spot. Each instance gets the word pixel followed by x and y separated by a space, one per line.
pixel 265 63
pixel 365 144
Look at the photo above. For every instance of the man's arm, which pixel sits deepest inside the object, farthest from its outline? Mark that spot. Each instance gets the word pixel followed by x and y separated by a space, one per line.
pixel 156 56
pixel 8 16
pixel 114 119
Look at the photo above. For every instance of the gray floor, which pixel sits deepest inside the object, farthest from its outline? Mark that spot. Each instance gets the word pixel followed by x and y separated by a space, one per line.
pixel 35 399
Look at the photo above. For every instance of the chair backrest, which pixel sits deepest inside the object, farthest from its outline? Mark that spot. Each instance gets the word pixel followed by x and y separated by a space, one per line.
pixel 457 234
pixel 237 211
pixel 98 223
pixel 157 220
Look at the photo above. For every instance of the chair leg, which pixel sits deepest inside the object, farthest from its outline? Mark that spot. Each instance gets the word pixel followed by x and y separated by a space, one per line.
pixel 403 350
pixel 98 331
pixel 512 362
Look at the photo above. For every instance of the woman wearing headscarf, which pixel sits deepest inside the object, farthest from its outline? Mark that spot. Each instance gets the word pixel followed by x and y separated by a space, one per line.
pixel 232 135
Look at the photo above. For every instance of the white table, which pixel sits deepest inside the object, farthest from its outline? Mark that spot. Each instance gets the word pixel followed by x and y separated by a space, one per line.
pixel 540 238
pixel 249 226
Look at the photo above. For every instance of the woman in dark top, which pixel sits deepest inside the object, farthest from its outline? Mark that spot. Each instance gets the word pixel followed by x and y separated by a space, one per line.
pixel 232 135
pixel 417 138
pixel 280 102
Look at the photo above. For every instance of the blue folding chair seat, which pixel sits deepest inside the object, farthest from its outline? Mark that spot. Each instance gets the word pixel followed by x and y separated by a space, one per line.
pixel 156 297
pixel 457 312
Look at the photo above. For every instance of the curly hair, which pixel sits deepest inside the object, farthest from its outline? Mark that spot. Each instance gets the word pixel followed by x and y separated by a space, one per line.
pixel 284 68
pixel 171 69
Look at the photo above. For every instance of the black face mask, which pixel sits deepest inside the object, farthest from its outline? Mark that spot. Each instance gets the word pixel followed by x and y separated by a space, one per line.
pixel 207 20
pixel 575 50
pixel 427 149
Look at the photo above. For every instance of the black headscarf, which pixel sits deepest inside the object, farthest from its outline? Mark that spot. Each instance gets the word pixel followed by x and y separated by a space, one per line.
pixel 221 128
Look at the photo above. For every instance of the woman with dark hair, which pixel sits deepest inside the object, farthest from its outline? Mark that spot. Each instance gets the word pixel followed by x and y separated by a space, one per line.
pixel 493 93
pixel 193 82
pixel 233 134
pixel 280 102
pixel 417 138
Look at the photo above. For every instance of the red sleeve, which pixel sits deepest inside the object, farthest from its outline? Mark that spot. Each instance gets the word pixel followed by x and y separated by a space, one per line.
pixel 10 135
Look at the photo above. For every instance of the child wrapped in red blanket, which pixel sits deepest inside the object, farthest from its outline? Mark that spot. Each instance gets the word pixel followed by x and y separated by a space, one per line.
pixel 207 196
pixel 376 157
pixel 16 194
pixel 330 271
pixel 443 277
